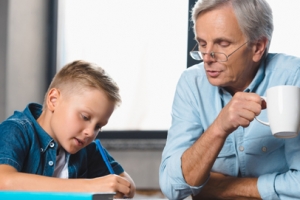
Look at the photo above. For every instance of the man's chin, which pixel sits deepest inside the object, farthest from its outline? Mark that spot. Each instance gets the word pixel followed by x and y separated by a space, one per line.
pixel 216 82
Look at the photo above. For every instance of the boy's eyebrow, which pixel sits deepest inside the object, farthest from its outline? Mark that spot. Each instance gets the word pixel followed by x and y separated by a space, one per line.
pixel 93 114
pixel 90 110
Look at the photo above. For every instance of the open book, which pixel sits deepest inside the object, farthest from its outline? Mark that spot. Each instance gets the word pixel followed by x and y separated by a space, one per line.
pixel 55 195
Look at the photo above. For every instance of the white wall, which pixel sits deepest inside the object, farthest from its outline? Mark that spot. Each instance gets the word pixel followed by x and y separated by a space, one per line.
pixel 286 34
pixel 24 54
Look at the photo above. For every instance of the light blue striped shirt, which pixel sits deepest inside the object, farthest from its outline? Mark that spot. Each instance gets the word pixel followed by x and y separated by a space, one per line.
pixel 247 152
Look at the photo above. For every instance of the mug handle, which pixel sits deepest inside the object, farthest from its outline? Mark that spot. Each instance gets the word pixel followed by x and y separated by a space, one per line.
pixel 265 123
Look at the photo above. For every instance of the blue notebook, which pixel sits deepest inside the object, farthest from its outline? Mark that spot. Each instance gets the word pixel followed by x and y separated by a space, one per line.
pixel 16 195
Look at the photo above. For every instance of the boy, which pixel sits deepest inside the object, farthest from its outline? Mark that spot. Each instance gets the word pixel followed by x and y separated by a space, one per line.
pixel 45 149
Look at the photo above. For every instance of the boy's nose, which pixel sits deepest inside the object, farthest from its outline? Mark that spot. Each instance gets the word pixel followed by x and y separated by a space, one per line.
pixel 89 132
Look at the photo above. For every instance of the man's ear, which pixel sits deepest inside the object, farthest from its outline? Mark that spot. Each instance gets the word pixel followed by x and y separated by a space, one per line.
pixel 259 49
pixel 52 99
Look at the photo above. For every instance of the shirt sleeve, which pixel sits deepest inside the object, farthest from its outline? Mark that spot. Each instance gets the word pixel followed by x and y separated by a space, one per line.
pixel 118 169
pixel 13 144
pixel 184 131
pixel 283 185
pixel 96 164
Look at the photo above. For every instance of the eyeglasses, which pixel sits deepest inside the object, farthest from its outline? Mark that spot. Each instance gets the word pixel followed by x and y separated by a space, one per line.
pixel 217 56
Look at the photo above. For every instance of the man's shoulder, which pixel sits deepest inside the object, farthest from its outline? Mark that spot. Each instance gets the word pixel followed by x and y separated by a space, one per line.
pixel 194 72
pixel 281 61
pixel 195 69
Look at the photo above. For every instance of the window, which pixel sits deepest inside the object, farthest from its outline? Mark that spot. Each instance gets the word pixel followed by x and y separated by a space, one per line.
pixel 141 44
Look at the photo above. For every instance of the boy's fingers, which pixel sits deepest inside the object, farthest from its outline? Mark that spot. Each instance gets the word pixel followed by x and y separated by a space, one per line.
pixel 118 195
pixel 123 181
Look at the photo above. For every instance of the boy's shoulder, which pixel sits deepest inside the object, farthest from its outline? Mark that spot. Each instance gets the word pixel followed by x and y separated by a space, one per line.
pixel 28 116
pixel 18 119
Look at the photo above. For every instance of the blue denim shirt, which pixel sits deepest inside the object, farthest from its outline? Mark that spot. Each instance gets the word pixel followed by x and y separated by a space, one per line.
pixel 247 152
pixel 27 147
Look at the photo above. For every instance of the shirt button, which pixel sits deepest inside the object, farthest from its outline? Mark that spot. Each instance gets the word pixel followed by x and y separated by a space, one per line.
pixel 241 148
pixel 50 163
pixel 42 150
pixel 264 149
pixel 51 144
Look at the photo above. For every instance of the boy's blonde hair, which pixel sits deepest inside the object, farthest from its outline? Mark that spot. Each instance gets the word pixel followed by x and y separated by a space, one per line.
pixel 81 74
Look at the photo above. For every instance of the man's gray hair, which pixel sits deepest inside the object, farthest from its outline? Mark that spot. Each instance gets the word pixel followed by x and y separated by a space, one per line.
pixel 254 16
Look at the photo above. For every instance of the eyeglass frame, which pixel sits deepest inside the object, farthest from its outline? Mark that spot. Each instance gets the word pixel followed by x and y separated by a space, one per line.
pixel 211 54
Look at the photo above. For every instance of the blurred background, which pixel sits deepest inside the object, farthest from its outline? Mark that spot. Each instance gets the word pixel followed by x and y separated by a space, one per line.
pixel 143 45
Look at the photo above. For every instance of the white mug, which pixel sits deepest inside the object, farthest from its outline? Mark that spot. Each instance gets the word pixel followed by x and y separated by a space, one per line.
pixel 283 109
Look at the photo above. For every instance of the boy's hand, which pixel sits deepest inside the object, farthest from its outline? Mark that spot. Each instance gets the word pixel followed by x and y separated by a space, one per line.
pixel 132 185
pixel 11 179
pixel 113 183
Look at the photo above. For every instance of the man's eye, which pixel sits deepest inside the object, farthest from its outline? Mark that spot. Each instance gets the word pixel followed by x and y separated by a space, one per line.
pixel 202 45
pixel 224 44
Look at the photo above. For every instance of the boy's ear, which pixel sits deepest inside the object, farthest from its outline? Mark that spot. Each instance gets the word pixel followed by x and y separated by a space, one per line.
pixel 52 99
pixel 259 49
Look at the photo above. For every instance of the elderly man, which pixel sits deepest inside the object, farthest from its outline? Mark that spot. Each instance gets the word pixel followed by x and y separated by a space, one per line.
pixel 214 148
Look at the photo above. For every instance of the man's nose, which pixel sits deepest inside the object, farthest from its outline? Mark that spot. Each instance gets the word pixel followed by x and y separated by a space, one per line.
pixel 208 58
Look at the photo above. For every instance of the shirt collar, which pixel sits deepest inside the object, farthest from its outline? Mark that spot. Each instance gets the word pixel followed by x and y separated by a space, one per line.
pixel 258 78
pixel 33 111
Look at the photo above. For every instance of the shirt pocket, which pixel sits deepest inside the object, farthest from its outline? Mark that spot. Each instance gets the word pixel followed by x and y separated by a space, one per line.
pixel 265 155
pixel 263 146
